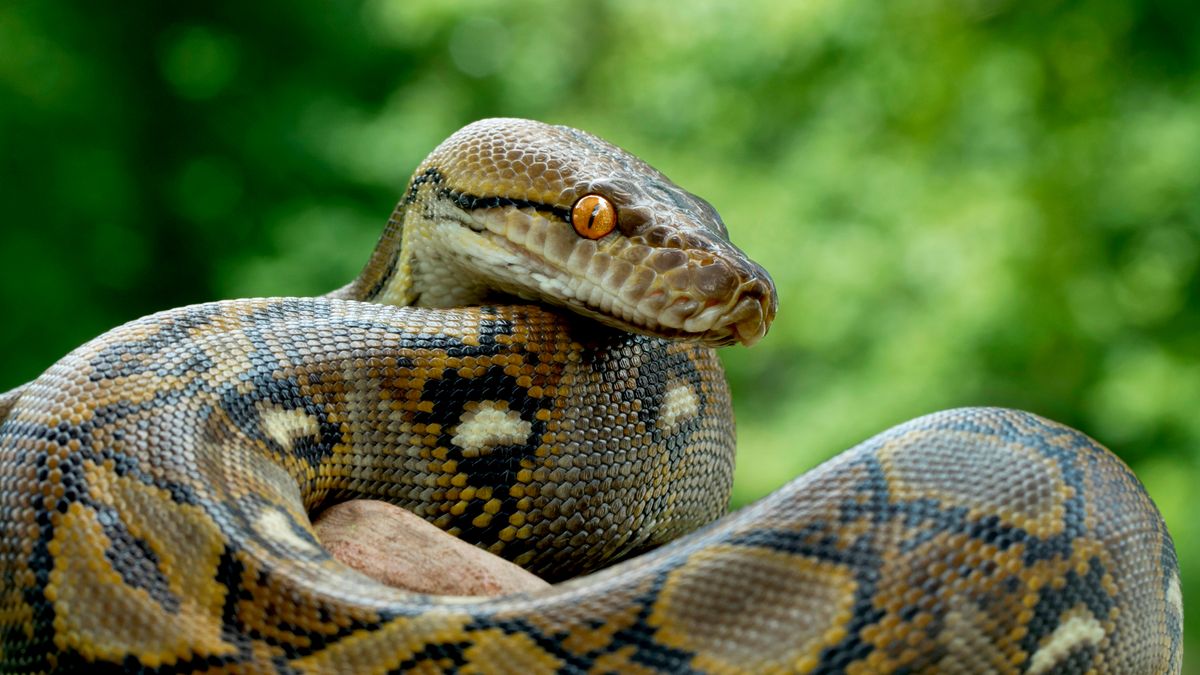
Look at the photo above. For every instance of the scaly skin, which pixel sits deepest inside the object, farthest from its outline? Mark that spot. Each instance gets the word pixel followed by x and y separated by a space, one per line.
pixel 156 484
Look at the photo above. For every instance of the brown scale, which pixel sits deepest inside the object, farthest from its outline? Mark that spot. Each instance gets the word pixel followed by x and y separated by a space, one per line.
pixel 156 484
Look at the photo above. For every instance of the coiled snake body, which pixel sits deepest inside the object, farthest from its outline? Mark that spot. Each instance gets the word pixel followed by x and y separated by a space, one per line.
pixel 155 484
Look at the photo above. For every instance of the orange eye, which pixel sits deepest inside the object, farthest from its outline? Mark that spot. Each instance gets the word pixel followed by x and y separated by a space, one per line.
pixel 593 216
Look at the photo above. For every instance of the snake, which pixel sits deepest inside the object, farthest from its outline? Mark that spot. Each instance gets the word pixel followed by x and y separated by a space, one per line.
pixel 528 361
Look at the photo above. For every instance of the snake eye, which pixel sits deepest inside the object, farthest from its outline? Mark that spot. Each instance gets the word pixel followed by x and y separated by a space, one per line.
pixel 593 216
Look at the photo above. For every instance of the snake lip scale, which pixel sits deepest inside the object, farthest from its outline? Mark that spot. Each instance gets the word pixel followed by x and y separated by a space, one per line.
pixel 744 318
pixel 526 360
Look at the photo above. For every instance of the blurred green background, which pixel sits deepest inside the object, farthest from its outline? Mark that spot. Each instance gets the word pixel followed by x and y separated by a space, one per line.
pixel 962 201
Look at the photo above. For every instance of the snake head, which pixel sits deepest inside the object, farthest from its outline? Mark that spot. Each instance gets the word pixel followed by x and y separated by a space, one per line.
pixel 557 215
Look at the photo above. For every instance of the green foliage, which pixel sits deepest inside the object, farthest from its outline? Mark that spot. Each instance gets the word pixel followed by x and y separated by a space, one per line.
pixel 963 202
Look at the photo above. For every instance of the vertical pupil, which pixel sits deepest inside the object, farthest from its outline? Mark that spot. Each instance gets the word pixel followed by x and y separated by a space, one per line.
pixel 595 214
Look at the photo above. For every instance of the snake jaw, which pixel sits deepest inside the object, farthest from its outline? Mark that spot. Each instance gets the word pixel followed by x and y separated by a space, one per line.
pixel 664 285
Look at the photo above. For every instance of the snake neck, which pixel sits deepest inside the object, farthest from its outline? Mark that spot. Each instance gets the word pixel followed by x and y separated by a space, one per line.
pixel 414 262
pixel 387 276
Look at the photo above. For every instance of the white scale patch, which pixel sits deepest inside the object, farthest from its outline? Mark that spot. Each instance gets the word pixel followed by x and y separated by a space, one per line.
pixel 1175 596
pixel 1079 630
pixel 285 426
pixel 679 404
pixel 273 525
pixel 488 425
pixel 968 645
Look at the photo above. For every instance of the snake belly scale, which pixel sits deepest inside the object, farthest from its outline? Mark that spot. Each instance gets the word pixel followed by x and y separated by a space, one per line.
pixel 526 361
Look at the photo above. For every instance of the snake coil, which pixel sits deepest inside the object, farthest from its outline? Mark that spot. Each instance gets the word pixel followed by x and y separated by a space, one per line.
pixel 526 360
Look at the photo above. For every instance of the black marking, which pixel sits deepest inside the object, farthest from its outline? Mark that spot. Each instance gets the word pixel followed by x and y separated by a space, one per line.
pixel 130 357
pixel 133 559
pixel 496 469
pixel 109 415
pixel 231 573
pixel 285 393
pixel 820 541
pixel 431 176
pixel 384 278
pixel 266 381
pixel 470 202
pixel 864 562
pixel 1086 589
pixel 247 514
pixel 435 655
pixel 549 643
pixel 640 634
pixel 659 368
pixel 1081 659
pixel 29 652
pixel 130 556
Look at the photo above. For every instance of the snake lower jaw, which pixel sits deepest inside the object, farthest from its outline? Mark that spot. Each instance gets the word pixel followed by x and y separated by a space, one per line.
pixel 737 311
pixel 753 320
pixel 747 319
pixel 717 326
pixel 743 320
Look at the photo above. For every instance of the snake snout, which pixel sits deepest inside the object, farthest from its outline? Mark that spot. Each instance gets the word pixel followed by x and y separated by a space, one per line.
pixel 740 305
pixel 753 313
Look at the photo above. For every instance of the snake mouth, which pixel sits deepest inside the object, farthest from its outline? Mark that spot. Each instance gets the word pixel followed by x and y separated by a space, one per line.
pixel 714 297
pixel 744 319
pixel 747 318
